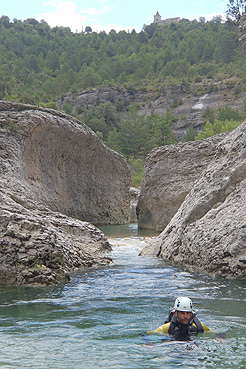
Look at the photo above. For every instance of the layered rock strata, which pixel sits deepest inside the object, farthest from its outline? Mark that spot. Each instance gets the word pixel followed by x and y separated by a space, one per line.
pixel 42 247
pixel 187 103
pixel 208 232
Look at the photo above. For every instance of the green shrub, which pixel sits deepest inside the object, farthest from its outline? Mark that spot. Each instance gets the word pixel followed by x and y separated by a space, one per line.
pixel 9 125
pixel 67 108
pixel 190 134
pixel 50 105
pixel 217 128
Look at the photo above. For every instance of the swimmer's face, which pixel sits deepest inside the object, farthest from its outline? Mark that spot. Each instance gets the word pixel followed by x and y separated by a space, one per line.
pixel 184 317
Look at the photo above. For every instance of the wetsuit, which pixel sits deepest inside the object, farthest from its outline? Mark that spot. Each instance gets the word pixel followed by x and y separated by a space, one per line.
pixel 182 331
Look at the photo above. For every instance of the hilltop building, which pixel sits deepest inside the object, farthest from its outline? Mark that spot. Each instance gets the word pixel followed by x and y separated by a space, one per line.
pixel 159 21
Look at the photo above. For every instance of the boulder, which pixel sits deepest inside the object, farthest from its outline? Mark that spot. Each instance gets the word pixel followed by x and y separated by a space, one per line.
pixel 169 175
pixel 208 232
pixel 57 161
pixel 42 247
pixel 56 176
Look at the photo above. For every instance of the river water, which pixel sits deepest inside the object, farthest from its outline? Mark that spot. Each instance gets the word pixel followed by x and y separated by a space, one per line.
pixel 100 318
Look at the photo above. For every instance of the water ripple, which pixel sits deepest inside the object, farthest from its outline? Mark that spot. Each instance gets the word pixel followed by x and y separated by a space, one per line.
pixel 100 318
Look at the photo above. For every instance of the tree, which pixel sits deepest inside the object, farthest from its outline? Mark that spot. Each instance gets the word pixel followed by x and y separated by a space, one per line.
pixel 52 60
pixel 68 108
pixel 202 20
pixel 227 45
pixel 235 9
pixel 227 113
pixel 190 134
pixel 33 63
pixel 160 130
pixel 133 135
pixel 209 114
pixel 5 21
pixel 88 30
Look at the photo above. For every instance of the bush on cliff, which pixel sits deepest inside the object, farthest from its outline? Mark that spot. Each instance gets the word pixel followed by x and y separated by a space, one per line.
pixel 226 120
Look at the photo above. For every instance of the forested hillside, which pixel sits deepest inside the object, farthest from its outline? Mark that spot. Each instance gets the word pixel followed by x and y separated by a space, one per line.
pixel 40 64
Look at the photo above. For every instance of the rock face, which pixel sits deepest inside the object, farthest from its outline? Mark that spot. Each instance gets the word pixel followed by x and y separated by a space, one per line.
pixel 208 232
pixel 188 104
pixel 60 163
pixel 170 173
pixel 54 169
pixel 41 247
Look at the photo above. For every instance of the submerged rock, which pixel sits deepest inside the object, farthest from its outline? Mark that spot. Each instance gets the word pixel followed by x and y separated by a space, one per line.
pixel 208 232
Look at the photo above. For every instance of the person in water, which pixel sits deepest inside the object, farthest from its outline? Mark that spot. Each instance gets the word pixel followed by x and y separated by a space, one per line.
pixel 182 322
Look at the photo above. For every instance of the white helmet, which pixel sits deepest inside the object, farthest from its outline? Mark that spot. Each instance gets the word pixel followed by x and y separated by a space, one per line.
pixel 183 304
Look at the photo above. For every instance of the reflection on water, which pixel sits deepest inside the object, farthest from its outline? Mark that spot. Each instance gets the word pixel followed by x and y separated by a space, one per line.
pixel 126 230
pixel 100 318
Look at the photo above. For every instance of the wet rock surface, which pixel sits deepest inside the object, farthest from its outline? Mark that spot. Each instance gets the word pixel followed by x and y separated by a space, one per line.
pixel 134 194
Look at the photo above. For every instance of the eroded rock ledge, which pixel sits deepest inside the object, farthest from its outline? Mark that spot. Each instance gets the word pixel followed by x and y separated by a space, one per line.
pixel 42 247
pixel 208 232
pixel 55 177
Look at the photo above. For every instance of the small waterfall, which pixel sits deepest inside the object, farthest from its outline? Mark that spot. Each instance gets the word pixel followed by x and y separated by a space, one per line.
pixel 199 105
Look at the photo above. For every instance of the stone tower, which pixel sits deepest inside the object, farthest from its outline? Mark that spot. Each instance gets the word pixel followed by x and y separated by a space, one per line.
pixel 157 18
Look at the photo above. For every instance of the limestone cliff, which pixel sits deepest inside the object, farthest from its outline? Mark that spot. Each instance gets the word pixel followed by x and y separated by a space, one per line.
pixel 54 169
pixel 208 232
pixel 169 175
pixel 57 161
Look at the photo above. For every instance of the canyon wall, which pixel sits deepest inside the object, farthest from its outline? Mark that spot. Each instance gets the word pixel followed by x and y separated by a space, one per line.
pixel 208 232
pixel 169 174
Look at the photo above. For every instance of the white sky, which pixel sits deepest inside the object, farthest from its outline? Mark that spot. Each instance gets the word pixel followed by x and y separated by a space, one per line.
pixel 109 14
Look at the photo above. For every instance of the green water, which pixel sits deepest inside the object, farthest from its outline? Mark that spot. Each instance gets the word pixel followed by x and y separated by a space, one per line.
pixel 127 230
pixel 99 318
